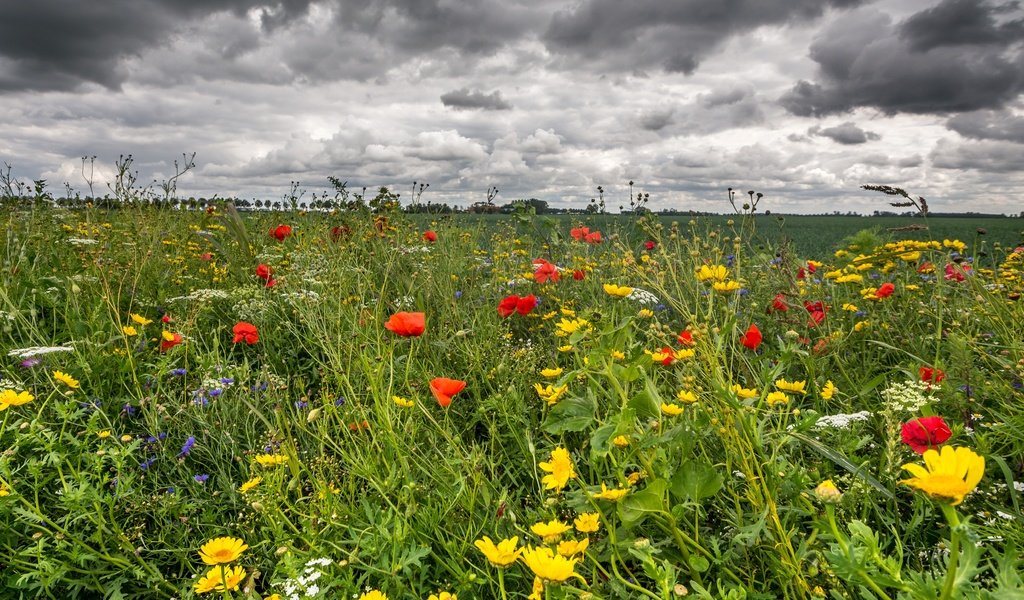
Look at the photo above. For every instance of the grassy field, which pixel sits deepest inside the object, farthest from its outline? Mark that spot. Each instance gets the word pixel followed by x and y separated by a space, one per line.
pixel 292 405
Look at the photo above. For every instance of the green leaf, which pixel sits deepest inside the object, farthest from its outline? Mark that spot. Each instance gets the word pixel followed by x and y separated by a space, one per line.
pixel 699 563
pixel 570 414
pixel 645 405
pixel 636 507
pixel 600 441
pixel 695 480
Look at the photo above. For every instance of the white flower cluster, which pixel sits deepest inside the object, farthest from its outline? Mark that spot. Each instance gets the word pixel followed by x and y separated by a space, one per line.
pixel 841 421
pixel 306 583
pixel 643 296
pixel 251 303
pixel 32 351
pixel 908 396
pixel 81 241
pixel 201 295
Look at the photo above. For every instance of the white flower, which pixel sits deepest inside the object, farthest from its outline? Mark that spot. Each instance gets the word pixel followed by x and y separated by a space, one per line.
pixel 841 421
pixel 38 351
pixel 312 590
pixel 643 296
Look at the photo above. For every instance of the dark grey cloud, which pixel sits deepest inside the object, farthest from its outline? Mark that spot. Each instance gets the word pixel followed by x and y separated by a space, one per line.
pixel 657 119
pixel 466 99
pixel 946 59
pixel 673 36
pixel 62 44
pixel 990 156
pixel 989 125
pixel 847 134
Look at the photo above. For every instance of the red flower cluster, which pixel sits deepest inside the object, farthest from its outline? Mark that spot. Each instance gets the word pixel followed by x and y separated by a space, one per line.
pixel 266 274
pixel 957 272
pixel 444 388
pixel 583 234
pixel 817 310
pixel 520 304
pixel 925 433
pixel 930 375
pixel 430 236
pixel 166 344
pixel 779 303
pixel 407 324
pixel 578 275
pixel 543 271
pixel 752 338
pixel 802 273
pixel 245 332
pixel 685 338
pixel 280 232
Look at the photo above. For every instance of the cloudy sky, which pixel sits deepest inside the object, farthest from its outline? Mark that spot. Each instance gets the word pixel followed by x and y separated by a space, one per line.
pixel 803 100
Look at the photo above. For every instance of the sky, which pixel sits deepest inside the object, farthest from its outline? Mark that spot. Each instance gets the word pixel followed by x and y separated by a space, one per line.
pixel 801 100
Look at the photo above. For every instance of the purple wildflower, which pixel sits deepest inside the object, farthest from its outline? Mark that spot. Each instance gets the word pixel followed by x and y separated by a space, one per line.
pixel 185 449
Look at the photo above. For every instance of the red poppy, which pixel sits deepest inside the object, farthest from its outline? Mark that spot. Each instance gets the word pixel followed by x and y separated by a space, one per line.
pixel 165 319
pixel 956 272
pixel 800 273
pixel 525 304
pixel 280 232
pixel 885 290
pixel 650 244
pixel 685 338
pixel 245 332
pixel 811 268
pixel 578 233
pixel 925 433
pixel 593 238
pixel 670 356
pixel 543 271
pixel 508 305
pixel 444 388
pixel 578 275
pixel 930 375
pixel 430 236
pixel 779 303
pixel 817 310
pixel 752 338
pixel 206 256
pixel 407 324
pixel 266 274
pixel 166 344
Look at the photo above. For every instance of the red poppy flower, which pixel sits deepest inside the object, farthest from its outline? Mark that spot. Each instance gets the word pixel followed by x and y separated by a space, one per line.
pixel 206 256
pixel 578 233
pixel 817 310
pixel 779 303
pixel 650 244
pixel 407 324
pixel 752 338
pixel 245 332
pixel 165 319
pixel 800 274
pixel 685 338
pixel 578 275
pixel 670 356
pixel 925 433
pixel 956 272
pixel 266 274
pixel 593 238
pixel 167 344
pixel 543 271
pixel 508 305
pixel 430 236
pixel 885 290
pixel 930 375
pixel 280 232
pixel 525 304
pixel 444 388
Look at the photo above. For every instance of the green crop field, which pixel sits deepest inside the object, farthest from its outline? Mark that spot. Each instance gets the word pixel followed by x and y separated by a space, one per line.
pixel 369 404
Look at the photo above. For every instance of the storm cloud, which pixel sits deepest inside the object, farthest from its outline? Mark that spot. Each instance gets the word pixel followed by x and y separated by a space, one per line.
pixel 464 98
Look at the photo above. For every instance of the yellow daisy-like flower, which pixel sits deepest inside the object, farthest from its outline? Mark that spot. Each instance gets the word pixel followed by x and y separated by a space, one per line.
pixel 566 327
pixel 617 291
pixel 547 565
pixel 672 410
pixel 139 319
pixel 617 355
pixel 501 555
pixel 537 592
pixel 551 373
pixel 250 485
pixel 726 287
pixel 167 336
pixel 587 522
pixel 827 491
pixel 66 379
pixel 742 392
pixel 684 353
pixel 9 398
pixel 565 348
pixel 850 278
pixel 573 547
pixel 129 331
pixel 950 475
pixel 402 402
pixel 797 387
pixel 849 307
pixel 272 597
pixel 550 531
pixel 560 469
pixel 613 495
pixel 621 441
pixel 443 596
pixel 550 393
pixel 271 460
pixel 374 595
pixel 686 396
pixel 828 390
pixel 645 313
pixel 4 490
pixel 222 550
pixel 716 273
pixel 777 398
pixel 103 434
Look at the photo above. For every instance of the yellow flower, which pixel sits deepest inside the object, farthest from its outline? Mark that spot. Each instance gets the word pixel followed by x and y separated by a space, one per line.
pixel 742 392
pixel 684 353
pixel 4 490
pixel 910 256
pixel 849 307
pixel 797 387
pixel 827 491
pixel 167 336
pixel 613 495
pixel 402 402
pixel 10 398
pixel 443 596
pixel 567 327
pixel 550 531
pixel 549 566
pixel 560 468
pixel 139 319
pixel 537 593
pixel 551 373
pixel 66 379
pixel 565 348
pixel 645 313
pixel 271 460
pixel 659 356
pixel 573 547
pixel 950 474
pixel 861 325
pixel 250 485
pixel 103 434
pixel 618 355
pixel 550 393
pixel 617 291
pixel 587 522
pixel 850 278
pixel 726 287
pixel 501 555
pixel 716 272
pixel 126 438
pixel 374 595
pixel 828 390
pixel 686 396
pixel 222 550
pixel 777 398
pixel 621 441
pixel 129 331
pixel 672 410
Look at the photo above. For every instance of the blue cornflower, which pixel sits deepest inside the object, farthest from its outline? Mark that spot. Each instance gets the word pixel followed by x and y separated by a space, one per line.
pixel 187 447
pixel 178 372
pixel 147 463
pixel 201 478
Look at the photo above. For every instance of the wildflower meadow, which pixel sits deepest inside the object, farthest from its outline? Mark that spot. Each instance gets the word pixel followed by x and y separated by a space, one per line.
pixel 370 404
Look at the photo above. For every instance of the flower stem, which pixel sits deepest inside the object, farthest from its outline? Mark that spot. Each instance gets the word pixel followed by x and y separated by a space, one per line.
pixel 954 549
